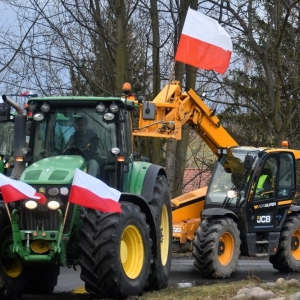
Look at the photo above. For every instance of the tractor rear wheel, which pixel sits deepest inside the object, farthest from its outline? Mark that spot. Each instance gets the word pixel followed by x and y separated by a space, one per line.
pixel 115 252
pixel 12 272
pixel 162 249
pixel 216 247
pixel 287 257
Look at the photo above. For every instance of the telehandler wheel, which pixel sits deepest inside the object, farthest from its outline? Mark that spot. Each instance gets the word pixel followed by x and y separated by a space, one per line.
pixel 162 252
pixel 216 247
pixel 41 279
pixel 287 258
pixel 115 252
pixel 12 272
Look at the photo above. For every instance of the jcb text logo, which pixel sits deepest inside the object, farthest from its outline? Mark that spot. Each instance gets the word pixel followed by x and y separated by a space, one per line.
pixel 263 219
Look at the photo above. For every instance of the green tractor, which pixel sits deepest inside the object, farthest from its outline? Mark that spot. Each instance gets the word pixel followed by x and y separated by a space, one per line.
pixel 119 254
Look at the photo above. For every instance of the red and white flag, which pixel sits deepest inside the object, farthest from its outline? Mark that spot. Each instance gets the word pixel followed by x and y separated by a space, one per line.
pixel 91 192
pixel 15 190
pixel 203 43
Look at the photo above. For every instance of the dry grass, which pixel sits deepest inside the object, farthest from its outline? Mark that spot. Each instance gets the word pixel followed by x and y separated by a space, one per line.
pixel 216 291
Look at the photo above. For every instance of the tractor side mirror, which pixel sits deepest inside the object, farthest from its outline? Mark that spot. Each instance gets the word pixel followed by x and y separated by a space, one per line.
pixel 248 162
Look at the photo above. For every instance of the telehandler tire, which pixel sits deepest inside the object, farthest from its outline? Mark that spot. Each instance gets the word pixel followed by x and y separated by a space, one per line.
pixel 13 274
pixel 115 252
pixel 216 247
pixel 287 257
pixel 162 253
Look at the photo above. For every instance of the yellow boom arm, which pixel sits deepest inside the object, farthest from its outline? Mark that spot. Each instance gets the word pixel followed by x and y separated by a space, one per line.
pixel 171 109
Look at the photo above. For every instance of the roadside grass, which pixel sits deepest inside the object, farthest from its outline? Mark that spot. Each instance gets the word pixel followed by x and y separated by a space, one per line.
pixel 214 291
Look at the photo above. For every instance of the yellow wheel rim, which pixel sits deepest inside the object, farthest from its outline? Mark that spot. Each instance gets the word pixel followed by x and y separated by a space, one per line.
pixel 132 251
pixel 12 267
pixel 295 249
pixel 165 235
pixel 225 248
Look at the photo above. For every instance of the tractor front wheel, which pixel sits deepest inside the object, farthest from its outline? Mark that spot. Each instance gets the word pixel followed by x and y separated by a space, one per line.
pixel 115 252
pixel 287 257
pixel 12 271
pixel 216 247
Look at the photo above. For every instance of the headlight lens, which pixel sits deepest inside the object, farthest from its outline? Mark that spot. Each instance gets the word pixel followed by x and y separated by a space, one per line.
pixel 64 191
pixel 54 191
pixel 114 108
pixel 38 117
pixel 53 205
pixel 45 107
pixel 109 116
pixel 31 204
pixel 100 108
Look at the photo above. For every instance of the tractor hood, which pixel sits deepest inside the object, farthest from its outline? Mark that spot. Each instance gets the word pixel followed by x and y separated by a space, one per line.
pixel 53 170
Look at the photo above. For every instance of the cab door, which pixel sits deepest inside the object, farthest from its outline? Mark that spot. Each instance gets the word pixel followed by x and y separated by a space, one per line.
pixel 273 189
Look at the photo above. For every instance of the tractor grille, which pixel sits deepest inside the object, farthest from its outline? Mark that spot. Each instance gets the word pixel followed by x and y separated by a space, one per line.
pixel 42 218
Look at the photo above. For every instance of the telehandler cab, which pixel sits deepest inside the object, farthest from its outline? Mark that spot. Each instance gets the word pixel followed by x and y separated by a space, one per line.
pixel 248 205
pixel 120 254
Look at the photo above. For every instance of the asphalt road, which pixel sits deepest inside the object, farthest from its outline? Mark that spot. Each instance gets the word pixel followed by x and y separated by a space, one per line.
pixel 183 274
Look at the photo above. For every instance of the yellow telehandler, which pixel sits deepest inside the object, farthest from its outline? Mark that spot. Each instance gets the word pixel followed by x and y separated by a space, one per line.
pixel 248 205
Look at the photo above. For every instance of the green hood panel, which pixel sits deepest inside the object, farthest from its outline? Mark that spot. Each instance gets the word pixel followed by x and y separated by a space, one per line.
pixel 53 170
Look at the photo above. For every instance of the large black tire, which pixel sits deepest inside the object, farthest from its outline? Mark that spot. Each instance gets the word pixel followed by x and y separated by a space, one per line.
pixel 287 257
pixel 216 247
pixel 12 272
pixel 42 279
pixel 162 252
pixel 115 252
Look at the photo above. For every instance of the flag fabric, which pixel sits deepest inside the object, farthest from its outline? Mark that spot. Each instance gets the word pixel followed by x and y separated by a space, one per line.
pixel 24 94
pixel 203 43
pixel 88 191
pixel 15 190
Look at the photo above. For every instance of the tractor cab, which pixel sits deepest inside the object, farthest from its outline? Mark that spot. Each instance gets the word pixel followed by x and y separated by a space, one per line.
pixel 57 138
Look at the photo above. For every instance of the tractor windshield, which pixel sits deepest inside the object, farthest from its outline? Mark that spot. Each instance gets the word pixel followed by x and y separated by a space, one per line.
pixel 229 174
pixel 69 131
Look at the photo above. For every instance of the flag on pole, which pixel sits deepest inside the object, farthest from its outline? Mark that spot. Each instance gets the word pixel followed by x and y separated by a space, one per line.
pixel 24 94
pixel 203 43
pixel 91 192
pixel 15 190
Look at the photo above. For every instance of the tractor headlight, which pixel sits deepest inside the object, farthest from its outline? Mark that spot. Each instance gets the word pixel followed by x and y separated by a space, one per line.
pixel 109 116
pixel 53 191
pixel 45 107
pixel 38 117
pixel 100 108
pixel 31 204
pixel 53 205
pixel 114 108
pixel 64 191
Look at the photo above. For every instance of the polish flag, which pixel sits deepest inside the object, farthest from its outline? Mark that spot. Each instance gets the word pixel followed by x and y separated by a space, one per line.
pixel 15 190
pixel 203 43
pixel 91 192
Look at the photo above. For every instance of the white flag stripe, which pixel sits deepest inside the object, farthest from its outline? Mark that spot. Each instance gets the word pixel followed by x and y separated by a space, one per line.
pixel 206 29
pixel 23 187
pixel 95 185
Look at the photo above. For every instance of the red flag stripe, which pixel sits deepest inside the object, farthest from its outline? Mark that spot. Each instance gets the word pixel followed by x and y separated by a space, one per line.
pixel 11 194
pixel 202 55
pixel 86 198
